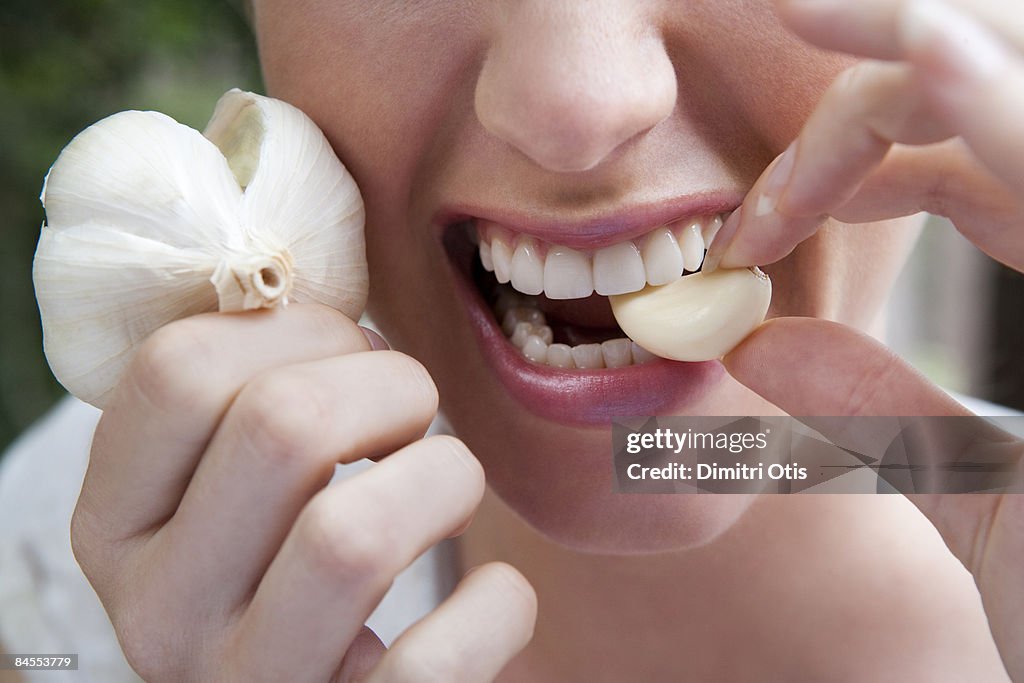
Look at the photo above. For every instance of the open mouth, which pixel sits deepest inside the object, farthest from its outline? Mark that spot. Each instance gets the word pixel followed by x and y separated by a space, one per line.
pixel 551 301
pixel 541 313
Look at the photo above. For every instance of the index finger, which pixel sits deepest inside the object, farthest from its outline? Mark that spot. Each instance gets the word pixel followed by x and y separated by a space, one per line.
pixel 873 28
pixel 867 110
pixel 959 81
pixel 167 407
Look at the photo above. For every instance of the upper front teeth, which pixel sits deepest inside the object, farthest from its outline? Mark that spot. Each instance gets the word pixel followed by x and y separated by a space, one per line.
pixel 663 259
pixel 567 274
pixel 619 269
pixel 527 268
pixel 559 272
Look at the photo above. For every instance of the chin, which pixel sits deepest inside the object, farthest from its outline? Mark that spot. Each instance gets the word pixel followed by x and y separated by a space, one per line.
pixel 558 478
pixel 592 519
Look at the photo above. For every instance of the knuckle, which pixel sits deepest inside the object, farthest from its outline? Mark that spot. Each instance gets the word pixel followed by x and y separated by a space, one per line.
pixel 81 541
pixel 149 646
pixel 174 364
pixel 85 541
pixel 338 546
pixel 938 195
pixel 280 414
pixel 108 562
pixel 855 78
pixel 97 553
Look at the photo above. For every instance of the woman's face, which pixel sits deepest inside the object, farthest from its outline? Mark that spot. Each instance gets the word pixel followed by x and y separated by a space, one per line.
pixel 563 124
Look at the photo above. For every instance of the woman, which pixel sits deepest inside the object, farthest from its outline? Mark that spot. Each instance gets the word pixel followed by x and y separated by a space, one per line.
pixel 203 523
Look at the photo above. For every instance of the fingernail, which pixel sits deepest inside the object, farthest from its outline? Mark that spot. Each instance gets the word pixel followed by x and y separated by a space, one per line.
pixel 967 48
pixel 722 240
pixel 377 342
pixel 775 184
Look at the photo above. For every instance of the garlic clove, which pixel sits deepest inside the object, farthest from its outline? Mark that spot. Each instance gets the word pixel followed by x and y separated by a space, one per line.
pixel 698 317
pixel 149 221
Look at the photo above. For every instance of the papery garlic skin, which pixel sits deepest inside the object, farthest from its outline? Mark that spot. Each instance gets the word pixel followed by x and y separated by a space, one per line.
pixel 698 317
pixel 148 221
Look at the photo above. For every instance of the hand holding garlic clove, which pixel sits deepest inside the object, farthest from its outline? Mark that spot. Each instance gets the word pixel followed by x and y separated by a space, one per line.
pixel 148 221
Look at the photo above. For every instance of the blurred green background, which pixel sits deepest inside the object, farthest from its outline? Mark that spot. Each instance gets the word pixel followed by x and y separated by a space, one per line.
pixel 65 64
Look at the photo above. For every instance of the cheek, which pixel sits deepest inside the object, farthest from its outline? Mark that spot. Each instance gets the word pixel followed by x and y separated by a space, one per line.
pixel 745 72
pixel 378 78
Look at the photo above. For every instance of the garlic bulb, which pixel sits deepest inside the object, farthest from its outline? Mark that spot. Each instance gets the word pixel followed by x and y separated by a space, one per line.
pixel 698 317
pixel 148 221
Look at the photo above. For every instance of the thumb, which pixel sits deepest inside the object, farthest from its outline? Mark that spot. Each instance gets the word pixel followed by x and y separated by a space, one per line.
pixel 813 367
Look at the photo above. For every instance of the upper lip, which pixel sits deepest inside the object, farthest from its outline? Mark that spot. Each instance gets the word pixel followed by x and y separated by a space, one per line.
pixel 594 231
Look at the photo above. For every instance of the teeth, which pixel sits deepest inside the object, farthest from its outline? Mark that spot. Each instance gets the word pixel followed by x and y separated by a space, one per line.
pixel 519 336
pixel 485 256
pixel 563 273
pixel 524 331
pixel 640 354
pixel 691 244
pixel 662 259
pixel 521 314
pixel 588 356
pixel 534 339
pixel 711 231
pixel 567 274
pixel 618 269
pixel 617 353
pixel 527 268
pixel 560 356
pixel 501 257
pixel 535 349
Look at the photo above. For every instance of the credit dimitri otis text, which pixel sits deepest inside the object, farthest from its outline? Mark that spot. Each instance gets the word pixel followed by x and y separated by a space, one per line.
pixel 670 441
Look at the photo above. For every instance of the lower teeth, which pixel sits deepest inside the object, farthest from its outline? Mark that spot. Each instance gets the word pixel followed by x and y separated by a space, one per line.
pixel 526 328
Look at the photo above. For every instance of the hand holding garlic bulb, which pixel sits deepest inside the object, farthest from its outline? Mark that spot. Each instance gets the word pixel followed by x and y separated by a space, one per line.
pixel 148 221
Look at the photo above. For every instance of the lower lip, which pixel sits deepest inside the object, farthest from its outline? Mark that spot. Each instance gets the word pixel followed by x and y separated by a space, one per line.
pixel 585 397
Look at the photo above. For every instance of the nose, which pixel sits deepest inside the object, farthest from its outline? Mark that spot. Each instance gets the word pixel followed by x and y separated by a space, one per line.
pixel 567 82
